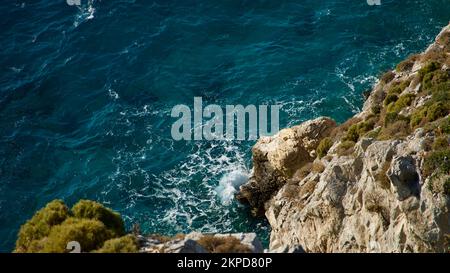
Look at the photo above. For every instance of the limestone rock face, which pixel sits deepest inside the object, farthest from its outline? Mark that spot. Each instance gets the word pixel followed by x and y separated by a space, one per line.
pixel 348 209
pixel 276 158
pixel 371 197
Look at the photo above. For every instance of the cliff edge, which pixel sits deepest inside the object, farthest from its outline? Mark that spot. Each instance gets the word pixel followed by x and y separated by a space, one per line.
pixel 380 182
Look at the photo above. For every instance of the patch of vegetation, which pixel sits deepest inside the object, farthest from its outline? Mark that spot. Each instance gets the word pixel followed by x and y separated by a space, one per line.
pixel 435 78
pixel 395 130
pixel 303 171
pixel 346 148
pixel 357 130
pixel 373 201
pixel 402 102
pixel 390 98
pixel 444 126
pixel 392 117
pixel 164 239
pixel 374 133
pixel 387 77
pixel 440 143
pixel 418 116
pixel 397 88
pixel 219 244
pixel 437 162
pixel 52 227
pixel 447 186
pixel 428 68
pixel 39 226
pixel 382 177
pixel 324 146
pixel 125 244
pixel 407 64
pixel 318 167
pixel 89 233
pixel 376 109
pixel 447 243
pixel 436 110
pixel 337 132
pixel 93 210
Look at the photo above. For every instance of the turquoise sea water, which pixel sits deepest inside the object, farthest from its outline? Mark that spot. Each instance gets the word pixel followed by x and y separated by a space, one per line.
pixel 86 94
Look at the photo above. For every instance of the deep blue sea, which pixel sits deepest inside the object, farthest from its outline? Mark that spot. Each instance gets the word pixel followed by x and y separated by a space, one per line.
pixel 86 94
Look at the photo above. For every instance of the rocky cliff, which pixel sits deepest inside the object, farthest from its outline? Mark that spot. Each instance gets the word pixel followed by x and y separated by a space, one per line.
pixel 380 182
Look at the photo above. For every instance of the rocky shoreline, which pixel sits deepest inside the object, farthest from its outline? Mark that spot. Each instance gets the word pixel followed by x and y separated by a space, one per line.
pixel 372 184
pixel 380 182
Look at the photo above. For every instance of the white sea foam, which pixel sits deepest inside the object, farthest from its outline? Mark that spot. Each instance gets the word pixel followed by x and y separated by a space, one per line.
pixel 229 184
pixel 86 13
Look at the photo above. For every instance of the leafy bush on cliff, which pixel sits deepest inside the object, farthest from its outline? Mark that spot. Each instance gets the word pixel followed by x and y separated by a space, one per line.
pixel 346 148
pixel 125 244
pixel 390 98
pixel 89 233
pixel 229 244
pixel 447 186
pixel 444 126
pixel 324 146
pixel 428 68
pixel 93 210
pixel 402 102
pixel 52 227
pixel 434 78
pixel 437 162
pixel 358 130
pixel 440 143
pixel 38 227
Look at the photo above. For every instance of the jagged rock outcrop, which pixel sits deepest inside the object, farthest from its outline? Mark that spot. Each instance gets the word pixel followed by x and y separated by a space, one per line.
pixel 384 184
pixel 277 158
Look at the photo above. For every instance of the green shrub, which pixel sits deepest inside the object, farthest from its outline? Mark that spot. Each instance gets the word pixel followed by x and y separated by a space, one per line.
pixel 376 109
pixel 357 130
pixel 125 244
pixel 444 126
pixel 390 98
pixel 345 148
pixel 402 102
pixel 374 133
pixel 440 143
pixel 324 146
pixel 89 233
pixel 229 244
pixel 437 161
pixel 447 186
pixel 352 134
pixel 392 117
pixel 441 92
pixel 93 210
pixel 39 226
pixel 52 227
pixel 436 111
pixel 435 78
pixel 428 68
pixel 418 116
